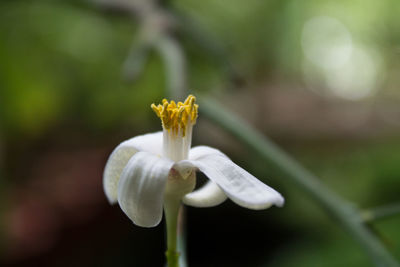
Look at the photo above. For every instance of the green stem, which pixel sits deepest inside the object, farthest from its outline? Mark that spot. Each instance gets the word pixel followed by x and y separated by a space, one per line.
pixel 380 212
pixel 171 209
pixel 182 237
pixel 341 210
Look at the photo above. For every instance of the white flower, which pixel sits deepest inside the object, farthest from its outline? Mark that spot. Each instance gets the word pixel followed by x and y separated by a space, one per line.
pixel 144 171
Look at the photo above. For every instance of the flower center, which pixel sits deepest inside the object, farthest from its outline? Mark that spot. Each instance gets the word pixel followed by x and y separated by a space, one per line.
pixel 177 121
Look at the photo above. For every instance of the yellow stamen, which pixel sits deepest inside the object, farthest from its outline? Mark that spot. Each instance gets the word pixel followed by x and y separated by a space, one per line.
pixel 177 116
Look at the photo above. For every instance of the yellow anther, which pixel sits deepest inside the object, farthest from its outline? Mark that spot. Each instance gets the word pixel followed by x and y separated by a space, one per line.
pixel 187 100
pixel 155 109
pixel 194 112
pixel 181 112
pixel 172 105
pixel 192 100
pixel 165 109
pixel 177 116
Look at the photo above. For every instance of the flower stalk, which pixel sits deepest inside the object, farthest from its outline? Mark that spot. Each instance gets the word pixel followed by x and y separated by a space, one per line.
pixel 171 209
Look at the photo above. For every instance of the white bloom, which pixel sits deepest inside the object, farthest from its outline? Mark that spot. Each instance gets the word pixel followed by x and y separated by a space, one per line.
pixel 143 171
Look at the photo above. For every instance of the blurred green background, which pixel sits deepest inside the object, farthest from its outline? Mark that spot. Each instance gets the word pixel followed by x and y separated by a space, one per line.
pixel 319 77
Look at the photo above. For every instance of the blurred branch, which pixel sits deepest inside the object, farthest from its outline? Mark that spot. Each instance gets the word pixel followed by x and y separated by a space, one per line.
pixel 157 26
pixel 136 60
pixel 380 212
pixel 204 40
pixel 138 8
pixel 341 210
pixel 175 66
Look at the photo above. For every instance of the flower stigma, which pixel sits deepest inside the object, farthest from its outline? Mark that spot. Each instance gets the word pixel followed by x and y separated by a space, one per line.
pixel 177 122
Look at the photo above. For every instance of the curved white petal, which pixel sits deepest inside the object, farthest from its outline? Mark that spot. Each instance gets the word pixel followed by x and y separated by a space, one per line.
pixel 120 156
pixel 202 151
pixel 209 195
pixel 141 188
pixel 239 185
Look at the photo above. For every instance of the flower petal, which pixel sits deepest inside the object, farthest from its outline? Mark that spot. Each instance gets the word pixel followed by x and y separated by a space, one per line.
pixel 120 156
pixel 201 151
pixel 141 188
pixel 239 185
pixel 209 195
